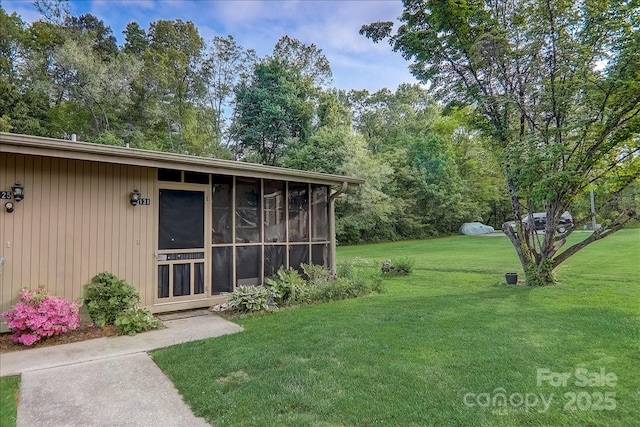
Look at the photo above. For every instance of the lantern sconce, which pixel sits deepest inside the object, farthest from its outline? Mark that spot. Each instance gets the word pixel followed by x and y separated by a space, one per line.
pixel 135 197
pixel 9 207
pixel 18 191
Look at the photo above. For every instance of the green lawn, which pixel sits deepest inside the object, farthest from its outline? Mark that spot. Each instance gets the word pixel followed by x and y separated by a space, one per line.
pixel 439 348
pixel 9 387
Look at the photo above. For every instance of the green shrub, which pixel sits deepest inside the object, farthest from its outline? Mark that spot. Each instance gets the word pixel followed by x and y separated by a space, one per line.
pixel 111 301
pixel 250 298
pixel 399 266
pixel 338 289
pixel 135 320
pixel 345 269
pixel 319 285
pixel 286 286
pixel 358 283
pixel 376 284
pixel 316 274
pixel 107 297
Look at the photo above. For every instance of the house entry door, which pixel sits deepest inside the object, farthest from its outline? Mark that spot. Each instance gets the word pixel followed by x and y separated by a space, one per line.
pixel 182 265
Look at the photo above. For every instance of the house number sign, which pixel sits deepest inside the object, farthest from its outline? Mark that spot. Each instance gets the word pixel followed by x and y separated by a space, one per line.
pixel 144 202
pixel 6 195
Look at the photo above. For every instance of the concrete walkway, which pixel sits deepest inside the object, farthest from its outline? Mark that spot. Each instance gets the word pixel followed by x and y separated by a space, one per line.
pixel 107 381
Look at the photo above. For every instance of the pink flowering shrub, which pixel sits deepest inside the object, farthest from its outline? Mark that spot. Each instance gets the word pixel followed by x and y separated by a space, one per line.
pixel 38 315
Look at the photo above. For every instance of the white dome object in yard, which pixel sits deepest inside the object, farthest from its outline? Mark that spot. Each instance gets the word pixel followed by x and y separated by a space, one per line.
pixel 475 228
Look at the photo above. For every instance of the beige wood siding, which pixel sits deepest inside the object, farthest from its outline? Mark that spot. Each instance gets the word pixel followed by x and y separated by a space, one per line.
pixel 74 222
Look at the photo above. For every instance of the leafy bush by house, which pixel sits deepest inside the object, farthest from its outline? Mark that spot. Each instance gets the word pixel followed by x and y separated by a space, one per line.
pixel 345 269
pixel 135 320
pixel 316 285
pixel 316 274
pixel 112 301
pixel 250 298
pixel 38 315
pixel 286 286
pixel 107 297
pixel 336 290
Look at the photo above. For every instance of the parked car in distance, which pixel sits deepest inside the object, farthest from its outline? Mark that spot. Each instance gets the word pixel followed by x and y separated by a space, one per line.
pixel 540 221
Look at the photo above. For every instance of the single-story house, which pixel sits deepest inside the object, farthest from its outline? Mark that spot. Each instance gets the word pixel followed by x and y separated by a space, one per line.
pixel 180 229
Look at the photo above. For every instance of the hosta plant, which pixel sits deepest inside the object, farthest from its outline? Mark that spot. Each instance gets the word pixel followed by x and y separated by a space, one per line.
pixel 249 298
pixel 38 315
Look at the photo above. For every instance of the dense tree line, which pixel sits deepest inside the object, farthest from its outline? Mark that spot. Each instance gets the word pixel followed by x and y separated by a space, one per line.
pixel 427 166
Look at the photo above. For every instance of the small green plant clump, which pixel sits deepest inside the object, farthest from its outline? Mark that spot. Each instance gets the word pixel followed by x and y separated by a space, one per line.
pixel 250 298
pixel 112 301
pixel 286 287
pixel 316 284
pixel 134 320
pixel 398 267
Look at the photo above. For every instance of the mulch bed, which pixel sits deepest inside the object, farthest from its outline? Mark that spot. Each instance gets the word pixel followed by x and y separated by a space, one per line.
pixel 85 332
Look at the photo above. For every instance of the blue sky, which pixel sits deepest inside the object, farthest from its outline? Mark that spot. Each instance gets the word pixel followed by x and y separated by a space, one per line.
pixel 332 25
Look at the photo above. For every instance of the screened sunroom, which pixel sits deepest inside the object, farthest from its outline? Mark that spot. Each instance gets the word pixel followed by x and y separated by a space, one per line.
pixel 181 229
pixel 257 226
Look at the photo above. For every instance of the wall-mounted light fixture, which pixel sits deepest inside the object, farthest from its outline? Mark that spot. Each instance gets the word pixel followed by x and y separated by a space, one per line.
pixel 135 197
pixel 18 191
pixel 9 207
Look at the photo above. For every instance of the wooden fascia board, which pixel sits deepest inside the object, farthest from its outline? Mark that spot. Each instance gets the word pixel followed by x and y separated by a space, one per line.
pixel 48 147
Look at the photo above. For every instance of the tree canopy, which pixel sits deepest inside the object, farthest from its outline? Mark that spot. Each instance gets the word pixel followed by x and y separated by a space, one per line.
pixel 556 89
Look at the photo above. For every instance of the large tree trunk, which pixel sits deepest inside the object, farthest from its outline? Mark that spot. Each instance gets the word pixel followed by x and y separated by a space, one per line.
pixel 539 253
pixel 537 266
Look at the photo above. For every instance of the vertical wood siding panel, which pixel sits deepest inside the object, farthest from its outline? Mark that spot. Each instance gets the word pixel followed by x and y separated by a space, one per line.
pixel 65 285
pixel 113 215
pixel 118 206
pixel 45 203
pixel 10 289
pixel 52 224
pixel 74 202
pixel 85 225
pixel 129 215
pixel 144 261
pixel 77 218
pixel 155 205
pixel 121 211
pixel 108 213
pixel 148 237
pixel 119 214
pixel 4 160
pixel 93 219
pixel 17 242
pixel 25 210
pixel 38 254
pixel 141 236
pixel 138 219
pixel 134 218
pixel 61 225
pixel 102 207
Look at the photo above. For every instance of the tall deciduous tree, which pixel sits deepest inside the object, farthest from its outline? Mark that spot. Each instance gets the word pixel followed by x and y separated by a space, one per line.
pixel 557 86
pixel 173 86
pixel 102 87
pixel 272 108
pixel 226 63
pixel 20 110
pixel 307 59
pixel 101 36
